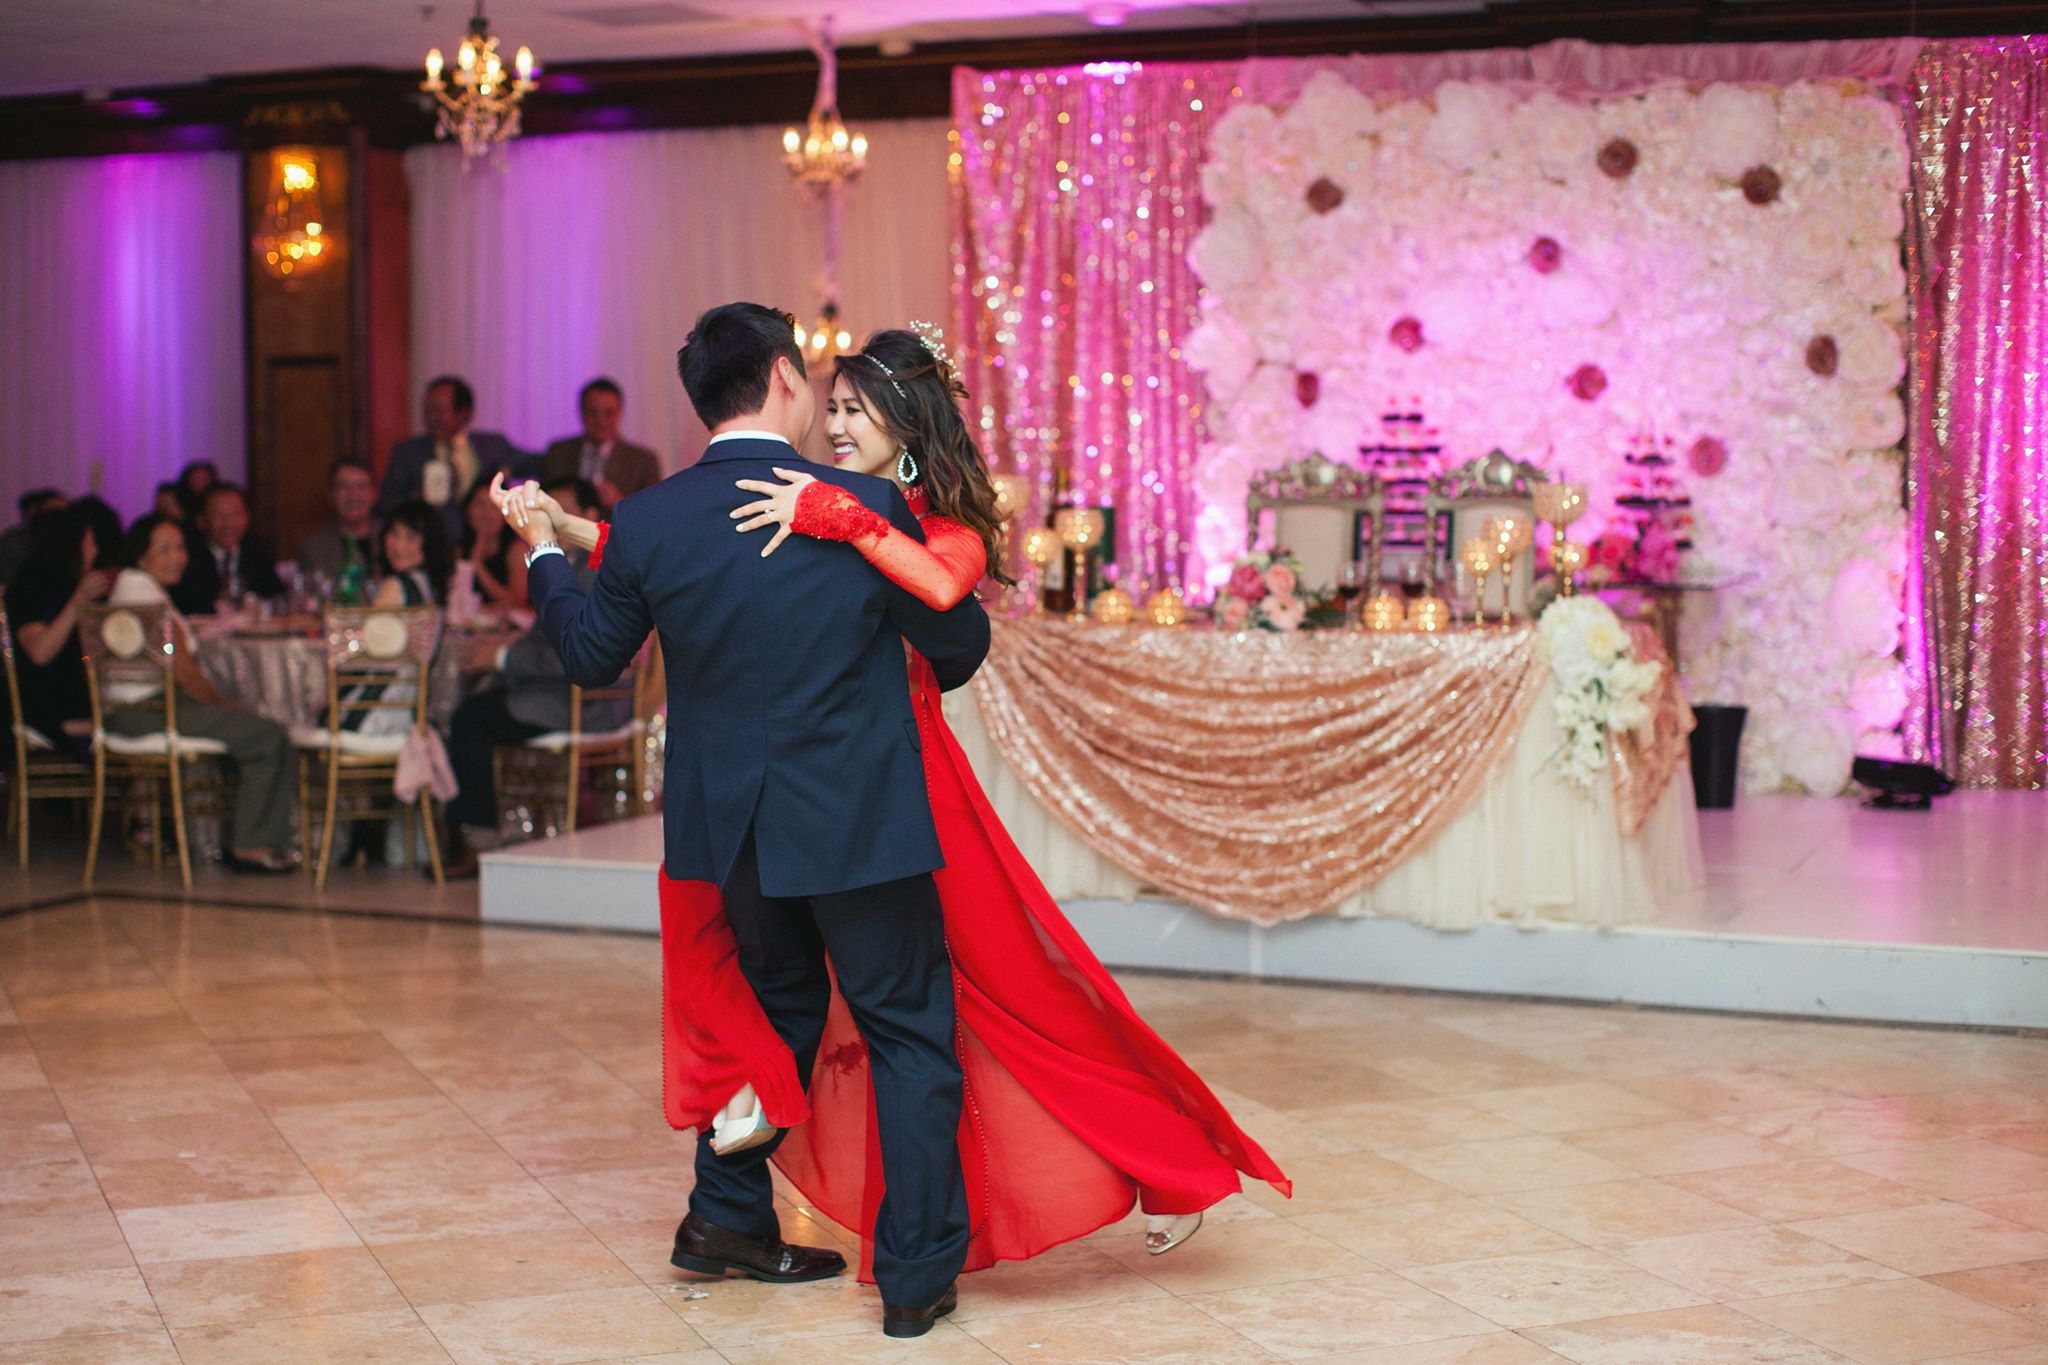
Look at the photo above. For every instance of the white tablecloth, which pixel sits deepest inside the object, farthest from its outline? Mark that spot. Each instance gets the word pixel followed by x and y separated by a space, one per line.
pixel 1532 849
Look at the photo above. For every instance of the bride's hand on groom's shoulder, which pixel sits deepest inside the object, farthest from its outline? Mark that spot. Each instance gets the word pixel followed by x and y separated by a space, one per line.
pixel 776 508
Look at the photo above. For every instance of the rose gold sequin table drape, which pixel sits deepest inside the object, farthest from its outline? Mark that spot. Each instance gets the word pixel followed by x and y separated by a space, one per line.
pixel 1267 777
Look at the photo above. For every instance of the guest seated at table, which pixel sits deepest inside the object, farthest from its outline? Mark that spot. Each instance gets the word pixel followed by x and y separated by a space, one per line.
pixel 168 501
pixel 529 698
pixel 232 561
pixel 613 465
pixel 413 558
pixel 14 541
pixel 496 556
pixel 441 464
pixel 193 481
pixel 261 751
pixel 352 493
pixel 42 607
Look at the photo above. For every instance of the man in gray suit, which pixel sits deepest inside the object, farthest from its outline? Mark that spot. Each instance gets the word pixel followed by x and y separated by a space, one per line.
pixel 448 460
pixel 616 466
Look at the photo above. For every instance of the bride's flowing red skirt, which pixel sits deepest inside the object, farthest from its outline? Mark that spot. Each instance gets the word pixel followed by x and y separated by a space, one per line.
pixel 1075 1109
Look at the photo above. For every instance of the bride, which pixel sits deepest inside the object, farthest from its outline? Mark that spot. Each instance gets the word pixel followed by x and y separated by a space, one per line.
pixel 1075 1109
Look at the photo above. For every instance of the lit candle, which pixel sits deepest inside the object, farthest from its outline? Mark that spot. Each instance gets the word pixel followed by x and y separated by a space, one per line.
pixel 791 140
pixel 523 63
pixel 433 66
pixel 465 57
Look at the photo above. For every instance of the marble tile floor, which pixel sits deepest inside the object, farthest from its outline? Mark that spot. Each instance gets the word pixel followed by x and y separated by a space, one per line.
pixel 234 1135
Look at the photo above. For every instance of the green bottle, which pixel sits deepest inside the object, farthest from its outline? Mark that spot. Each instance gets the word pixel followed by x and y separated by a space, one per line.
pixel 348 585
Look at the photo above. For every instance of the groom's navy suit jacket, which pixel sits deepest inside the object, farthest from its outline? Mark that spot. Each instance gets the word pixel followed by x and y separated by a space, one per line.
pixel 788 698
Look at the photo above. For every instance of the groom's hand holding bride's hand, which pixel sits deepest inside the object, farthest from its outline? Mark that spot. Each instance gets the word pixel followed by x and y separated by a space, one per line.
pixel 777 507
pixel 532 514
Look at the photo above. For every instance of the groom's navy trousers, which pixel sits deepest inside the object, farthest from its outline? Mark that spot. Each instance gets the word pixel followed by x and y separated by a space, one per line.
pixel 795 782
pixel 888 946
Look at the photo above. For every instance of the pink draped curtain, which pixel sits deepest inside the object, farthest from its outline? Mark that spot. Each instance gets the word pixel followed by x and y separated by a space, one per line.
pixel 1978 442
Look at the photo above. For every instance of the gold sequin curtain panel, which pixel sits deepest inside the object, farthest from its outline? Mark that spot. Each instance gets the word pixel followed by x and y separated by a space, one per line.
pixel 1259 777
pixel 1978 390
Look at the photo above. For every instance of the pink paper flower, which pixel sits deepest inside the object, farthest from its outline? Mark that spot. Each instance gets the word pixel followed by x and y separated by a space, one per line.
pixel 1708 456
pixel 1406 333
pixel 1587 382
pixel 1286 613
pixel 1280 580
pixel 1617 159
pixel 1233 612
pixel 1614 551
pixel 1760 185
pixel 1545 255
pixel 1246 584
pixel 1324 196
pixel 1308 386
pixel 1822 355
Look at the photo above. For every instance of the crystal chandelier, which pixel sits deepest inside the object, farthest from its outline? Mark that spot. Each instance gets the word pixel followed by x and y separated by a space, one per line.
pixel 825 154
pixel 826 340
pixel 477 105
pixel 294 239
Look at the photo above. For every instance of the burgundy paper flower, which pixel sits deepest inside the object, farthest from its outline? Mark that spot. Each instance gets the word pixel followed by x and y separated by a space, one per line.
pixel 1760 185
pixel 1822 355
pixel 1406 333
pixel 1587 382
pixel 1545 255
pixel 1325 195
pixel 1708 456
pixel 1618 158
pixel 1308 387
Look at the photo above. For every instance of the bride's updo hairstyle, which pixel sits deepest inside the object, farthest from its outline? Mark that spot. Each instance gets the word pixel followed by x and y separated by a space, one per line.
pixel 910 390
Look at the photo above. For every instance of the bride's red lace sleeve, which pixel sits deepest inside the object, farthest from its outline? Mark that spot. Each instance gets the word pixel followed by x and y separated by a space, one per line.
pixel 604 535
pixel 939 573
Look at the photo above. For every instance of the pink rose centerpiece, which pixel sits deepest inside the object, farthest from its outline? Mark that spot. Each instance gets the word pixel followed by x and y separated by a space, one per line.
pixel 1264 593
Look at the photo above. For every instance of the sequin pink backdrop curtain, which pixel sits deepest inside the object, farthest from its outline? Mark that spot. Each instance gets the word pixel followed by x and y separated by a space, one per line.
pixel 1076 195
pixel 1977 463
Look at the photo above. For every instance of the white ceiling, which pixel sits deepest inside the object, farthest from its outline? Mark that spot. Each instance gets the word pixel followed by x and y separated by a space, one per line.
pixel 51 46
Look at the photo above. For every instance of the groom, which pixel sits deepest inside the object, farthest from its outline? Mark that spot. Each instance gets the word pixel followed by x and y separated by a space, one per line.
pixel 795 784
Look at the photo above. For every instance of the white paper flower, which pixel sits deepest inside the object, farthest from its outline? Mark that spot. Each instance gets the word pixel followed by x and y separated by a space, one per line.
pixel 1818 747
pixel 1470 119
pixel 1863 609
pixel 1736 128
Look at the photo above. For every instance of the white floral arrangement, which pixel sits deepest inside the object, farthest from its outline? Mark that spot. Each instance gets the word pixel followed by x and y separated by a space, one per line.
pixel 1263 593
pixel 1552 275
pixel 1602 687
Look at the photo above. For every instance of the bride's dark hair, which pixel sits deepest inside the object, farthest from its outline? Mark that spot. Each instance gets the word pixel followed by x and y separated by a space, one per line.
pixel 915 398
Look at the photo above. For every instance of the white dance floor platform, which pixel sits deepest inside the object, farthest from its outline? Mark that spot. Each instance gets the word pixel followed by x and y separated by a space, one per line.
pixel 1811 907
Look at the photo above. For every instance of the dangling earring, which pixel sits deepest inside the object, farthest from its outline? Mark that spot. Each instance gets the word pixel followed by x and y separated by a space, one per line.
pixel 906 468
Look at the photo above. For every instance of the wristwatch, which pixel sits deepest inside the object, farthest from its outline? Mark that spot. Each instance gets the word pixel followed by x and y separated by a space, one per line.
pixel 546 547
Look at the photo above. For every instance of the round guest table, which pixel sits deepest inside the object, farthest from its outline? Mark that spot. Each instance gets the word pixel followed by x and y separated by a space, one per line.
pixel 281 673
pixel 1265 777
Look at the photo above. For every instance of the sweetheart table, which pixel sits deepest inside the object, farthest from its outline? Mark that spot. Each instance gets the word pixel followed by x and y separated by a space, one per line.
pixel 1265 778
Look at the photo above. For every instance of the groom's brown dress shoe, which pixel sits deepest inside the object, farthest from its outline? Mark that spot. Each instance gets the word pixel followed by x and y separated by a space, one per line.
pixel 710 1250
pixel 915 1322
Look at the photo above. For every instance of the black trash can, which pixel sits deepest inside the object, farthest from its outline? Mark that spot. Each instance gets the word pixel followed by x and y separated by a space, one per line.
pixel 1716 755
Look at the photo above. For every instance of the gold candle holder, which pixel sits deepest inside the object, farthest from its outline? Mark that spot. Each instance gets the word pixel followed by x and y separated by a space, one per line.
pixel 1383 611
pixel 1080 530
pixel 1430 615
pixel 1568 557
pixel 1477 555
pixel 1040 544
pixel 1167 607
pixel 1113 607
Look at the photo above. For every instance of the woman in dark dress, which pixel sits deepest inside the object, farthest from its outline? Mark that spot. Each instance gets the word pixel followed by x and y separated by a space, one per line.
pixel 42 609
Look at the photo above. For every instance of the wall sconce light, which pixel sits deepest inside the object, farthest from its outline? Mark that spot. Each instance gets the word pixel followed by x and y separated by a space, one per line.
pixel 294 239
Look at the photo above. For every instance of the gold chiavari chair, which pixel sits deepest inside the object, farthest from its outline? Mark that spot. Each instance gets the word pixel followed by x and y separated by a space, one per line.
pixel 559 763
pixel 41 771
pixel 137 647
pixel 379 663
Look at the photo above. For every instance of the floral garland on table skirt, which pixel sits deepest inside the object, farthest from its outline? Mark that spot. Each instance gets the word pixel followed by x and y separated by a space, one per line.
pixel 1558 277
pixel 1603 689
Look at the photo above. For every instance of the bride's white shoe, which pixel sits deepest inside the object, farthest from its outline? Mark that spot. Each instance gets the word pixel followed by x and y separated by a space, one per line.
pixel 1164 1232
pixel 740 1124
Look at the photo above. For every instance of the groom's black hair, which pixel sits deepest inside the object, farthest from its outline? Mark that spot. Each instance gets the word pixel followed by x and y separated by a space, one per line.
pixel 729 355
